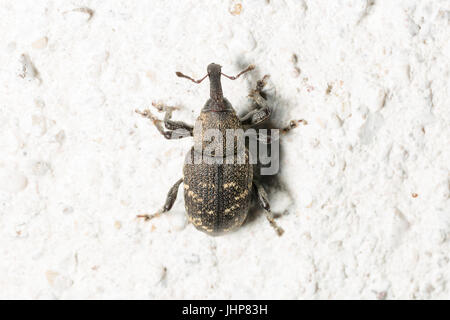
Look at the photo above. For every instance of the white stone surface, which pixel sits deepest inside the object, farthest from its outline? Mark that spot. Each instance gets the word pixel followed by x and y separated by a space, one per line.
pixel 366 209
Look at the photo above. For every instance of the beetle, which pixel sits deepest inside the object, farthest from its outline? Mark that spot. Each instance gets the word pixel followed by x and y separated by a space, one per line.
pixel 217 195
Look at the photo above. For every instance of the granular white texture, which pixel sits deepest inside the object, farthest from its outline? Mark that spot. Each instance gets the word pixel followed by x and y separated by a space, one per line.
pixel 363 189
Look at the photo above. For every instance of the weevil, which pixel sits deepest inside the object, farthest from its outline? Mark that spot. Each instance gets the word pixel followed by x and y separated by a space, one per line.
pixel 217 195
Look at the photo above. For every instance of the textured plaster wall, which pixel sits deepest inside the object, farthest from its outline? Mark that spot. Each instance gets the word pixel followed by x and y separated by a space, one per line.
pixel 363 189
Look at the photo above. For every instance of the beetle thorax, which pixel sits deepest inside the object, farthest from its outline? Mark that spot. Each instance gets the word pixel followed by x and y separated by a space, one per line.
pixel 210 122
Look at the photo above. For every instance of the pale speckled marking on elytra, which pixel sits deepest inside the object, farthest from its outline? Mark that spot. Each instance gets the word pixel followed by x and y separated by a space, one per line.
pixel 234 206
pixel 242 195
pixel 210 212
pixel 192 195
pixel 206 228
pixel 186 187
pixel 229 185
pixel 199 200
pixel 207 185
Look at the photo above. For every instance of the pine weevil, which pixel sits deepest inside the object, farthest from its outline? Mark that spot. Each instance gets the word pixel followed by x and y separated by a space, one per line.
pixel 217 195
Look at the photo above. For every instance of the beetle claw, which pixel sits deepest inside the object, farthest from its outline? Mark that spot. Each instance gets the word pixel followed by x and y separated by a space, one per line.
pixel 162 107
pixel 148 217
pixel 293 124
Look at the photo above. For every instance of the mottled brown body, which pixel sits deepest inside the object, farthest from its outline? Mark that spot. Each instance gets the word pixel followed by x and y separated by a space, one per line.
pixel 217 196
pixel 217 191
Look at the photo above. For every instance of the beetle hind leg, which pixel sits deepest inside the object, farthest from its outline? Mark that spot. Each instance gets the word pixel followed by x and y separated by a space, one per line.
pixel 170 200
pixel 264 202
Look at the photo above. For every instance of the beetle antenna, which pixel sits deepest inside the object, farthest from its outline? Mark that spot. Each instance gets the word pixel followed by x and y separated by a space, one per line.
pixel 179 74
pixel 249 68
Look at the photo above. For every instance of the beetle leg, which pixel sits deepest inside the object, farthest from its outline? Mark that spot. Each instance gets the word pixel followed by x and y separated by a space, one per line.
pixel 264 202
pixel 171 124
pixel 262 111
pixel 181 131
pixel 170 200
pixel 292 124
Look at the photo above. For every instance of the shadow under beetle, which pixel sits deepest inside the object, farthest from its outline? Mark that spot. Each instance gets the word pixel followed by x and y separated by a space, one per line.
pixel 217 196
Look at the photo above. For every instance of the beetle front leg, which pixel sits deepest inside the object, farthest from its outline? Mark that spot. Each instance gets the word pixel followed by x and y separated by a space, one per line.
pixel 176 129
pixel 170 200
pixel 171 124
pixel 264 202
pixel 262 111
